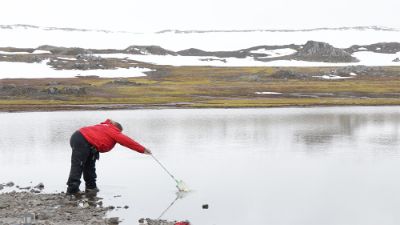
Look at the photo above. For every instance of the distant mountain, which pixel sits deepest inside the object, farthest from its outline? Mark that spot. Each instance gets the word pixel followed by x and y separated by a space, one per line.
pixel 27 26
pixel 376 28
pixel 359 28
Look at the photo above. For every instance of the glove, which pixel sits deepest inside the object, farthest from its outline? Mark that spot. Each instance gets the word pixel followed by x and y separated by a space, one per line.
pixel 147 151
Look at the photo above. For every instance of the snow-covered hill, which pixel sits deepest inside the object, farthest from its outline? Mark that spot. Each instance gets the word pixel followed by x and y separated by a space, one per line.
pixel 345 46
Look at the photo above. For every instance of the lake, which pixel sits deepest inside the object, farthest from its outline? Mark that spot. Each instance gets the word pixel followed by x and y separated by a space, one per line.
pixel 278 166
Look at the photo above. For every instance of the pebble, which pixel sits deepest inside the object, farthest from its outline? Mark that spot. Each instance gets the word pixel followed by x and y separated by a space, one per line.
pixel 205 206
pixel 10 184
pixel 23 188
pixel 34 191
pixel 113 220
pixel 126 207
pixel 40 186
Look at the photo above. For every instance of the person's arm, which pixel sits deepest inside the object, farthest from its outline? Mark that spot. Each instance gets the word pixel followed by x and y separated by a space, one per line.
pixel 128 142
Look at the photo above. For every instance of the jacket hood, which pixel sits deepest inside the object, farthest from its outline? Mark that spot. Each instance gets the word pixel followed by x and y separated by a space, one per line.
pixel 109 122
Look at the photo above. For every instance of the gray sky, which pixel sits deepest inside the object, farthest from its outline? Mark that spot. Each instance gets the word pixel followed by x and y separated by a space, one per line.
pixel 154 15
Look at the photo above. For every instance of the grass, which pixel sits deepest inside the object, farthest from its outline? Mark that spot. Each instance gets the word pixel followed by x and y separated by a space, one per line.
pixel 215 87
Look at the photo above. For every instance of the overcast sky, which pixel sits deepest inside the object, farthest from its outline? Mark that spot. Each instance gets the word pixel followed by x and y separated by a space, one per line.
pixel 155 15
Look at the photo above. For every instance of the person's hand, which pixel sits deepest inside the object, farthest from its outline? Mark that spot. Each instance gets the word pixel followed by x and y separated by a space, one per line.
pixel 147 151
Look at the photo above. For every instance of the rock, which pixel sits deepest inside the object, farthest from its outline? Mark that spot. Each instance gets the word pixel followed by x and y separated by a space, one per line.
pixel 1 187
pixel 34 191
pixel 205 206
pixel 159 222
pixel 4 205
pixel 122 81
pixel 141 220
pixel 74 90
pixel 126 207
pixel 8 87
pixel 24 188
pixel 111 207
pixel 10 184
pixel 323 52
pixel 44 216
pixel 148 50
pixel 287 74
pixel 53 91
pixel 396 60
pixel 40 186
pixel 113 220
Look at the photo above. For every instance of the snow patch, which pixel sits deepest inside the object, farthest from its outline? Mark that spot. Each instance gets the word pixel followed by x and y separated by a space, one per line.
pixel 369 58
pixel 41 52
pixel 42 70
pixel 331 77
pixel 64 58
pixel 275 52
pixel 13 53
pixel 25 53
pixel 366 58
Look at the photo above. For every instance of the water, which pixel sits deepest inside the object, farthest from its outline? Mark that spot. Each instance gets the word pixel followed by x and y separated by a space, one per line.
pixel 283 166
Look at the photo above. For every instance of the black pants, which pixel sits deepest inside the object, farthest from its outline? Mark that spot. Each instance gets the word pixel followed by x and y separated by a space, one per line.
pixel 83 160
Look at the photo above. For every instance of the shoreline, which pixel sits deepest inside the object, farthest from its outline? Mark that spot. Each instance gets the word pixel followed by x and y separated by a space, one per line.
pixel 112 107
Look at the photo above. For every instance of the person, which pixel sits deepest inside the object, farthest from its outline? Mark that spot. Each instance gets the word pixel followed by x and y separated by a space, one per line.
pixel 86 144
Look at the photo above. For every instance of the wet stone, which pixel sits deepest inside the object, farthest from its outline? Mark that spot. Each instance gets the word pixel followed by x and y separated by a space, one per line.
pixel 113 220
pixel 34 191
pixel 40 186
pixel 23 188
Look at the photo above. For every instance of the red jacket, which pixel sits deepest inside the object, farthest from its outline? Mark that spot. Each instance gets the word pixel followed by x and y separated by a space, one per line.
pixel 105 135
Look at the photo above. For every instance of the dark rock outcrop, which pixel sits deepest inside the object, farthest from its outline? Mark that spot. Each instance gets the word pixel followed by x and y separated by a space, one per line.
pixel 148 50
pixel 78 91
pixel 287 74
pixel 194 52
pixel 62 50
pixel 222 54
pixel 323 52
pixel 382 47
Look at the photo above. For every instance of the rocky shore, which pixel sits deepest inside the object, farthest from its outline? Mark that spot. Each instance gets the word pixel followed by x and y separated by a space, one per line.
pixel 51 209
pixel 28 205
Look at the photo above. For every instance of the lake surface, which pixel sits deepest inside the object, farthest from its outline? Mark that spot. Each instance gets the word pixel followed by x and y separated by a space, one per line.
pixel 281 166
